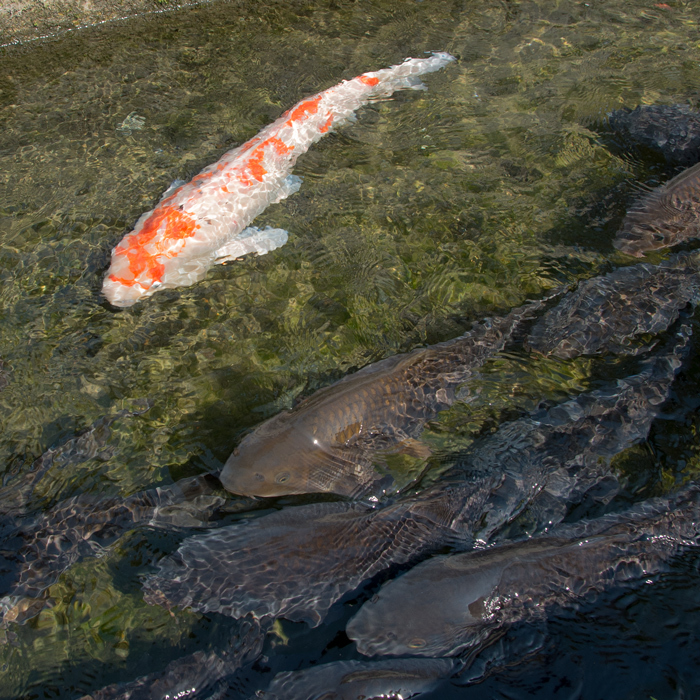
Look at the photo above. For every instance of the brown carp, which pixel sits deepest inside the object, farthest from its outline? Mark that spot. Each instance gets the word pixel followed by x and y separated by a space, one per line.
pixel 475 595
pixel 17 493
pixel 666 216
pixel 297 562
pixel 47 544
pixel 330 441
pixel 199 675
pixel 352 680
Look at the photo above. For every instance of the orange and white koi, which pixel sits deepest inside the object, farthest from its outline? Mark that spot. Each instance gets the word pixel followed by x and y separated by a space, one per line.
pixel 203 222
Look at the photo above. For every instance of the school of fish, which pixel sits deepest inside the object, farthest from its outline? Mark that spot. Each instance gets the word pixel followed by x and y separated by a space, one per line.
pixel 300 561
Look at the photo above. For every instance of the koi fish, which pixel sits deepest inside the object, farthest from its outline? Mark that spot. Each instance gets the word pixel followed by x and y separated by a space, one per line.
pixel 203 222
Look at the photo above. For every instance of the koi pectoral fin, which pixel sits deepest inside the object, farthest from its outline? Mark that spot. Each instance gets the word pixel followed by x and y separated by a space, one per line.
pixel 251 240
pixel 291 184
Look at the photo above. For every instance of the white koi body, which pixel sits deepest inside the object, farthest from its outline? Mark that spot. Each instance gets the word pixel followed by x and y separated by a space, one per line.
pixel 204 222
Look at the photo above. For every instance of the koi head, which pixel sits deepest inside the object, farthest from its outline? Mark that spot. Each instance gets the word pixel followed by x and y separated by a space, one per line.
pixel 137 269
pixel 123 292
pixel 283 458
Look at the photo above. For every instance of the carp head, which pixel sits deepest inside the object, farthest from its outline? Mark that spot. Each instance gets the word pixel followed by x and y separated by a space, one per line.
pixel 282 457
pixel 436 609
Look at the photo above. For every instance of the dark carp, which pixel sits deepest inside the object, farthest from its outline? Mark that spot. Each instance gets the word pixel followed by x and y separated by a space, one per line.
pixel 668 215
pixel 352 680
pixel 672 131
pixel 605 313
pixel 36 550
pixel 18 490
pixel 329 443
pixel 297 562
pixel 475 595
pixel 199 675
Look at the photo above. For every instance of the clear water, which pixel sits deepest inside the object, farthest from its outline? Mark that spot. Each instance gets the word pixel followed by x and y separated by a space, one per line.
pixel 432 210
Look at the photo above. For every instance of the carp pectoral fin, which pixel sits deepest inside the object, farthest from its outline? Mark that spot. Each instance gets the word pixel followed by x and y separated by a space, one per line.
pixel 290 185
pixel 414 448
pixel 347 471
pixel 251 240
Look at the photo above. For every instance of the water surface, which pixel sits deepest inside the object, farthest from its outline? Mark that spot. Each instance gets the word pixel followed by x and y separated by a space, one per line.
pixel 432 210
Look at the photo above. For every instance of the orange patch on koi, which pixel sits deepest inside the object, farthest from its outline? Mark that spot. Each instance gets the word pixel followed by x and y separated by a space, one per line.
pixel 368 80
pixel 178 226
pixel 323 129
pixel 303 109
pixel 254 164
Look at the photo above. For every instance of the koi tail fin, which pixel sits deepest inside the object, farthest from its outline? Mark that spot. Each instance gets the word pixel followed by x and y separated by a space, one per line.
pixel 406 75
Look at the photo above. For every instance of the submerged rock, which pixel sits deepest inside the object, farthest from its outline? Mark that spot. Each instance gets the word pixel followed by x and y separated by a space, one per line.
pixel 296 563
pixel 605 313
pixel 474 596
pixel 330 442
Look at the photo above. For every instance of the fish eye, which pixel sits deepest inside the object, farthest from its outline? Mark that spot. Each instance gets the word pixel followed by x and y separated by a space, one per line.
pixel 282 478
pixel 259 476
pixel 416 643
